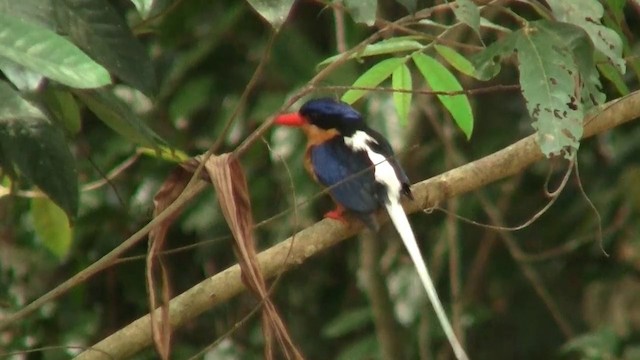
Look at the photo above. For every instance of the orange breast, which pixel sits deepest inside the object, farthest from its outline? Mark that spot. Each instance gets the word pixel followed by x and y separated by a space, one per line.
pixel 315 136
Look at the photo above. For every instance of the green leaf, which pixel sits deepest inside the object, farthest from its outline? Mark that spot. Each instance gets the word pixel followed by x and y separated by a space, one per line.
pixel 45 52
pixel 388 46
pixel 612 74
pixel 558 77
pixel 440 78
pixel 22 78
pixel 577 41
pixel 362 11
pixel 490 25
pixel 64 108
pixel 362 349
pixel 38 149
pixel 37 12
pixel 599 344
pixel 587 15
pixel 165 153
pixel 118 115
pixel 274 11
pixel 372 78
pixel 429 22
pixel 467 12
pixel 52 226
pixel 456 60
pixel 401 80
pixel 144 7
pixel 487 62
pixel 103 34
pixel 347 323
pixel 548 76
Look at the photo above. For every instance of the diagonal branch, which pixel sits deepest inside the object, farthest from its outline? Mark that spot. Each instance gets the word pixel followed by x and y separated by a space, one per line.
pixel 288 254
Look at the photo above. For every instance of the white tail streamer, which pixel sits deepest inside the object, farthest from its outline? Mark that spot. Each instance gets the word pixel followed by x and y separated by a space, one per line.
pixel 401 223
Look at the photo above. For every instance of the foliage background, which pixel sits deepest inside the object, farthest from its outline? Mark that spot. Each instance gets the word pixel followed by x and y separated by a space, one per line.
pixel 203 54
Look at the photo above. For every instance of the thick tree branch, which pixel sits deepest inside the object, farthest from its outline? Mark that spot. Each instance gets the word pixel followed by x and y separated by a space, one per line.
pixel 326 233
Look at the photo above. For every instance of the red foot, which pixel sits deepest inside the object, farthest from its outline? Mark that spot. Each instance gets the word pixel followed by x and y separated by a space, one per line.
pixel 336 214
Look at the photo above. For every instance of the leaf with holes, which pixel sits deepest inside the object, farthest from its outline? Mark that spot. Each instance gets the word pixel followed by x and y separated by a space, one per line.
pixel 587 15
pixel 550 82
pixel 97 28
pixel 582 49
pixel 38 149
pixel 52 226
pixel 401 80
pixel 440 78
pixel 372 78
pixel 47 53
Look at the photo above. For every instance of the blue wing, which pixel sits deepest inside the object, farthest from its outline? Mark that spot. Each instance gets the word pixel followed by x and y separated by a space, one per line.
pixel 336 165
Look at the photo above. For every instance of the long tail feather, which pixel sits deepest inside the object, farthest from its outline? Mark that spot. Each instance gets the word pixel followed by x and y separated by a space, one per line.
pixel 400 221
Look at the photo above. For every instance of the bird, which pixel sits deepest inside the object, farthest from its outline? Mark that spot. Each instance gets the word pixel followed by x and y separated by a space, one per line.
pixel 358 166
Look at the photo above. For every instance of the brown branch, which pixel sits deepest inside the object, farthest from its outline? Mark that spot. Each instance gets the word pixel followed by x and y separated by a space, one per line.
pixel 388 331
pixel 286 255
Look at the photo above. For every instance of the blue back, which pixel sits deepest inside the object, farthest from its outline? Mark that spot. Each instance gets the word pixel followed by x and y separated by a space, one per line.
pixel 333 163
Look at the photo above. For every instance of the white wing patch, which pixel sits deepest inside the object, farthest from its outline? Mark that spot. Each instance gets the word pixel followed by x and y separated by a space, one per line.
pixel 383 171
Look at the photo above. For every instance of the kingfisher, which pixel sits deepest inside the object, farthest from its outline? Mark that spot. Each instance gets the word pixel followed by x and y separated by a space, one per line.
pixel 358 166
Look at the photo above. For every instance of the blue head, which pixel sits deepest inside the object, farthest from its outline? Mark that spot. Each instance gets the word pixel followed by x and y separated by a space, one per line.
pixel 327 114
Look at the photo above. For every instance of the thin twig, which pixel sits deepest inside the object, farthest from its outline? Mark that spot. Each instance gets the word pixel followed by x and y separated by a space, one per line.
pixel 477 91
pixel 388 331
pixel 338 18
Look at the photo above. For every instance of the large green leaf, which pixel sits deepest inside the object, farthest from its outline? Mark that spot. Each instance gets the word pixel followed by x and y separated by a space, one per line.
pixel 587 15
pixel 387 46
pixel 372 78
pixel 558 77
pixel 119 116
pixel 52 226
pixel 45 52
pixel 103 34
pixel 274 11
pixel 440 78
pixel 38 149
pixel 401 80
